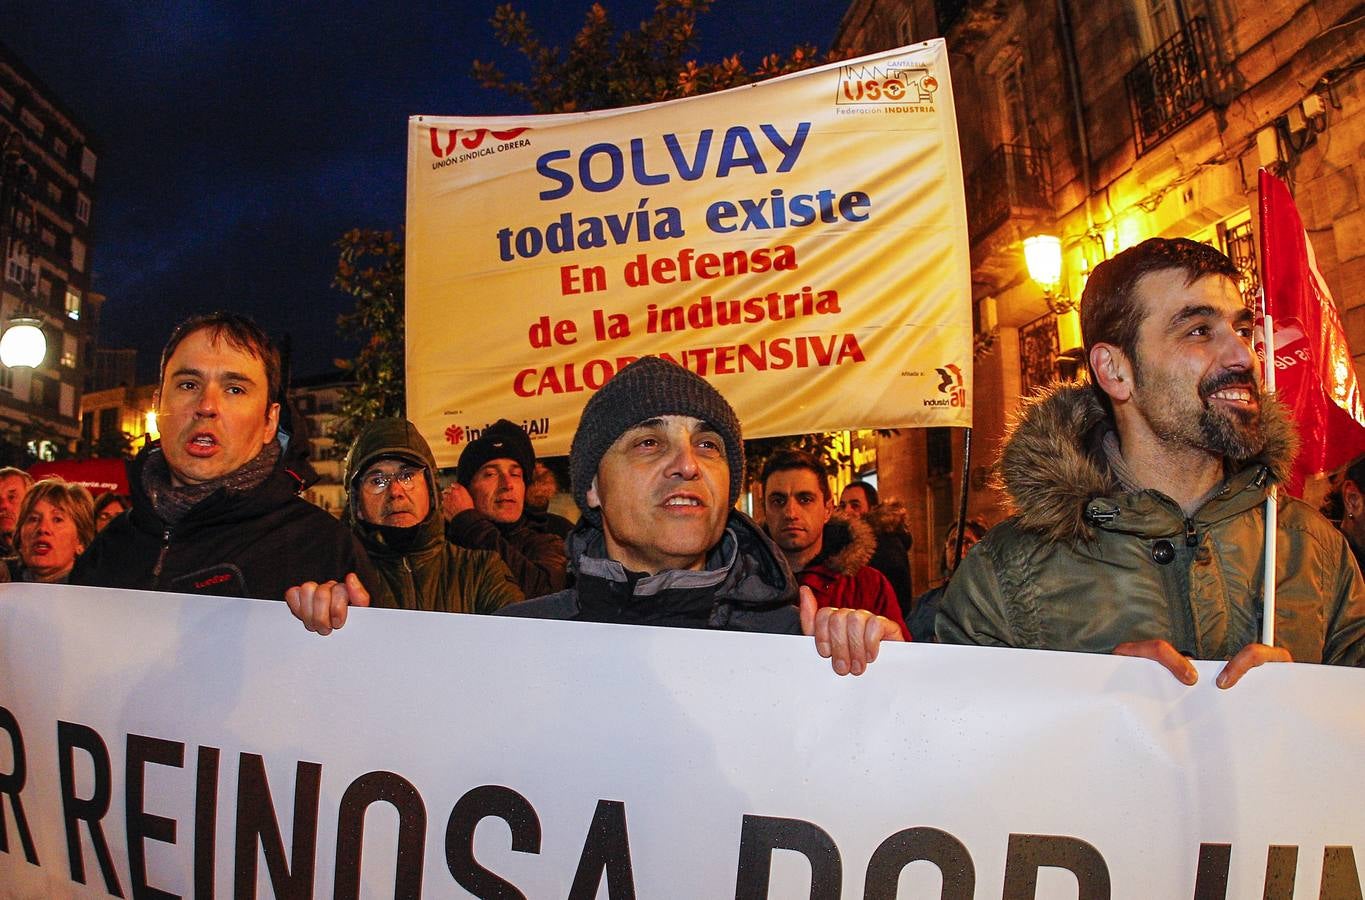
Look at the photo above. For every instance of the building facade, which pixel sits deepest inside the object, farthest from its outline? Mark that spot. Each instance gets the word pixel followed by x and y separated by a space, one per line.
pixel 315 400
pixel 1105 123
pixel 123 410
pixel 47 180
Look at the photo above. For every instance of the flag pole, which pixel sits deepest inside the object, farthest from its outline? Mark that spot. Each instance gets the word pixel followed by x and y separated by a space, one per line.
pixel 1272 498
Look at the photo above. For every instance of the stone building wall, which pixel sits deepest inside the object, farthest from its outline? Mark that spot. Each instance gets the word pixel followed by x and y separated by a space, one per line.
pixel 1266 62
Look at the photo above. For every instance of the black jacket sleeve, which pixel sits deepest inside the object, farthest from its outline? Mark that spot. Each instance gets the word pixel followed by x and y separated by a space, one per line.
pixel 536 558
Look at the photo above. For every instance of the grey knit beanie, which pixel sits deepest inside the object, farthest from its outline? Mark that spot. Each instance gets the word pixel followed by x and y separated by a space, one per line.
pixel 648 388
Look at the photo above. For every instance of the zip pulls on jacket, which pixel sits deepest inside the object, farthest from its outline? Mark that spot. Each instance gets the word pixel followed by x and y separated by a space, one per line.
pixel 161 557
pixel 412 600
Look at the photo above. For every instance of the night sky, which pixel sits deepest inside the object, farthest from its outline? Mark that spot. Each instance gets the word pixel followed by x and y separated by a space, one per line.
pixel 238 140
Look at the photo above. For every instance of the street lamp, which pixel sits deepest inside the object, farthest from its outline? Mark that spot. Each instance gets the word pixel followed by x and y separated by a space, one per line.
pixel 23 343
pixel 1043 256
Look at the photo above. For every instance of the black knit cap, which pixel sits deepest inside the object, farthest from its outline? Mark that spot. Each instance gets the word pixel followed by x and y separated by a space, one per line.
pixel 646 389
pixel 501 440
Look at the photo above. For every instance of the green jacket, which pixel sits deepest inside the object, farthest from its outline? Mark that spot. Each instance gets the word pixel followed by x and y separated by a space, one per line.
pixel 419 568
pixel 1085 565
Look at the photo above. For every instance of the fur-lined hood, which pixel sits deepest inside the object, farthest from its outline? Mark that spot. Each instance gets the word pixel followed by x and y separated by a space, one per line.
pixel 848 545
pixel 889 517
pixel 1053 463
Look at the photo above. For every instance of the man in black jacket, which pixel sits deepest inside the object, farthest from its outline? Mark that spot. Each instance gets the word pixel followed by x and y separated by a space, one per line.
pixel 486 509
pixel 216 506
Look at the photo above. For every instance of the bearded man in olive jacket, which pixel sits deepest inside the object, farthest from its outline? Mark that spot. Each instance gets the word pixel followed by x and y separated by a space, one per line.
pixel 1140 525
pixel 390 483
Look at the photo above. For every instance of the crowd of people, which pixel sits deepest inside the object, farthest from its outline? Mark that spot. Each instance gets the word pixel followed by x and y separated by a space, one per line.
pixel 1138 507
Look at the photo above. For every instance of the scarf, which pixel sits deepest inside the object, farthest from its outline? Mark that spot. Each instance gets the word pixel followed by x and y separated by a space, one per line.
pixel 171 503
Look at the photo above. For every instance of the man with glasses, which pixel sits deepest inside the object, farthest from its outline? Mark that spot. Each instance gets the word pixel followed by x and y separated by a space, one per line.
pixel 390 487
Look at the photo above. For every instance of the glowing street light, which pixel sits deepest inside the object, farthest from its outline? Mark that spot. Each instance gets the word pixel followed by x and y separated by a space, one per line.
pixel 1043 256
pixel 23 344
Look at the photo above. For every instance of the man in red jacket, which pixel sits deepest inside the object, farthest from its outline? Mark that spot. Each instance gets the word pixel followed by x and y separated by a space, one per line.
pixel 828 554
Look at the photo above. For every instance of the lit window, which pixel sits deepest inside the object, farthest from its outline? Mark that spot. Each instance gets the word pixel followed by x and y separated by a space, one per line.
pixel 73 303
pixel 87 163
pixel 83 208
pixel 78 254
pixel 69 351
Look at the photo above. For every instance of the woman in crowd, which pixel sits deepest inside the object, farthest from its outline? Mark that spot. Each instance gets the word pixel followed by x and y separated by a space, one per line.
pixel 56 523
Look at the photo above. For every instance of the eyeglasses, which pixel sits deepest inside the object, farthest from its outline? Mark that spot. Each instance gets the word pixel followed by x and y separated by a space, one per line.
pixel 378 482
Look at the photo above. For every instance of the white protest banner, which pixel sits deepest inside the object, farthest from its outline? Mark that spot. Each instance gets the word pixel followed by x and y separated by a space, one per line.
pixel 203 746
pixel 800 242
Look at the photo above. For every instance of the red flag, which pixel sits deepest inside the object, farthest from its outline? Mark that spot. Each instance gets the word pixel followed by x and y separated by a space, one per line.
pixel 1314 374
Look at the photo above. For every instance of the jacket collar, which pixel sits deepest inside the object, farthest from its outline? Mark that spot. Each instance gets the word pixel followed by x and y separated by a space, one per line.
pixel 1060 485
pixel 847 544
pixel 745 567
pixel 280 486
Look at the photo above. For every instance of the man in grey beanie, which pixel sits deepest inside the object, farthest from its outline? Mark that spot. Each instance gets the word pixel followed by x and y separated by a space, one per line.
pixel 656 465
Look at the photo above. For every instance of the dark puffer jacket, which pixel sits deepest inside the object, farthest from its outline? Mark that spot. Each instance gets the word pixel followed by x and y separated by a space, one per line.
pixel 419 568
pixel 535 555
pixel 842 577
pixel 1085 565
pixel 257 544
pixel 890 521
pixel 745 586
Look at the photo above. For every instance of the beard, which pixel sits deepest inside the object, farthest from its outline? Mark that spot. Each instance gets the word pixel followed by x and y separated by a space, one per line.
pixel 1215 428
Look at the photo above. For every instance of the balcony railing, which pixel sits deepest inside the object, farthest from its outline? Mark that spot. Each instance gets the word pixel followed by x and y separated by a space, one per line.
pixel 1240 245
pixel 1013 178
pixel 1038 352
pixel 1171 86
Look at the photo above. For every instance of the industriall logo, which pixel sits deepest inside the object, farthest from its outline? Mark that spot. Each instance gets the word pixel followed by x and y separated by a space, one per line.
pixel 896 87
pixel 459 146
pixel 458 434
pixel 952 385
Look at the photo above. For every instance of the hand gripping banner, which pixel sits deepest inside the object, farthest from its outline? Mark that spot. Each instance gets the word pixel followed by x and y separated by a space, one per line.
pixel 800 242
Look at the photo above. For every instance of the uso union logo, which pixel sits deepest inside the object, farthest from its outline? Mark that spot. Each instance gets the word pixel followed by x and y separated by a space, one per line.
pixel 455 145
pixel 910 86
